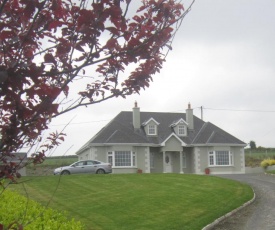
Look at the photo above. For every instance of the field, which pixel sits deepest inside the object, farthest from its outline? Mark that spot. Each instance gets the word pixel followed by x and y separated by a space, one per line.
pixel 253 158
pixel 138 201
pixel 47 167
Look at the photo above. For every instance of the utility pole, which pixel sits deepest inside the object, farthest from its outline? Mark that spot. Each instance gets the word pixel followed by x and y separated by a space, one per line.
pixel 201 112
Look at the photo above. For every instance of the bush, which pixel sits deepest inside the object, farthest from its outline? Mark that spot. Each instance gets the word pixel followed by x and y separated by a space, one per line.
pixel 267 162
pixel 17 210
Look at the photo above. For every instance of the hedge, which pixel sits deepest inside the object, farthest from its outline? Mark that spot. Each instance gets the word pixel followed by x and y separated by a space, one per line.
pixel 22 213
pixel 267 162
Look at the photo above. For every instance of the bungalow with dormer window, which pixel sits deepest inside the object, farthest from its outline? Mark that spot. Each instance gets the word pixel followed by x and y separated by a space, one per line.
pixel 154 142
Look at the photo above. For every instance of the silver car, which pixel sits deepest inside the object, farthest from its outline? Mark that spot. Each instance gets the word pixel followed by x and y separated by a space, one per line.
pixel 88 166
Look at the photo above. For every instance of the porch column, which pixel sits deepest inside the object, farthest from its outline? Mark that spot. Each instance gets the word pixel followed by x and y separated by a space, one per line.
pixel 181 171
pixel 163 163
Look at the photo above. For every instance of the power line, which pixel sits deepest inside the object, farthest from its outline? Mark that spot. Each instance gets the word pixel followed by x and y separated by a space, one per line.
pixel 242 110
pixel 200 107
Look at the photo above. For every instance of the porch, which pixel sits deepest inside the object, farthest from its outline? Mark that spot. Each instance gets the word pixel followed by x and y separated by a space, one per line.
pixel 171 162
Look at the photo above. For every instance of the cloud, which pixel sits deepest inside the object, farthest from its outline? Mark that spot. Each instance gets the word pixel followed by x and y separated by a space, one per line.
pixel 222 59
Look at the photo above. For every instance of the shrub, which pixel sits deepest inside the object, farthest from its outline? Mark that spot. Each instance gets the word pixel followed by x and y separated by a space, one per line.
pixel 267 162
pixel 17 210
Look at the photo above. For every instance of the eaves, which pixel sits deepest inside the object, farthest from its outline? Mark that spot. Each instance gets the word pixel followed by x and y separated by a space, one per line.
pixel 125 144
pixel 218 145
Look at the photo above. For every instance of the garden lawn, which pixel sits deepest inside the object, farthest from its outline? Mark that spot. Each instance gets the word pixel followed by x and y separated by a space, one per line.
pixel 138 201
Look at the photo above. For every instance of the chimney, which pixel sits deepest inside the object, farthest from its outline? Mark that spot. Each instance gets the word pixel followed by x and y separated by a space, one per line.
pixel 189 117
pixel 136 116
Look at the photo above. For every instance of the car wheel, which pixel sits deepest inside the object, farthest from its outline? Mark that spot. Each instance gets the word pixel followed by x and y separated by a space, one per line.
pixel 65 173
pixel 100 171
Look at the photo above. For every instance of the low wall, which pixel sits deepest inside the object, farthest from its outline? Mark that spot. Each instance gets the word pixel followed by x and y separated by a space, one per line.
pixel 254 170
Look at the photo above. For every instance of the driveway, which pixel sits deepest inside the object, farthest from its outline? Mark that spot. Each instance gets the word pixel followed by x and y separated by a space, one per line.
pixel 260 214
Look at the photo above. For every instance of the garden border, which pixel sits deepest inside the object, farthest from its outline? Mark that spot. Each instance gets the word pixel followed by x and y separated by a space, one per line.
pixel 215 222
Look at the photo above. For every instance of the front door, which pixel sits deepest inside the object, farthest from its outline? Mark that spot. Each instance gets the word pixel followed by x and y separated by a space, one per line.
pixel 168 162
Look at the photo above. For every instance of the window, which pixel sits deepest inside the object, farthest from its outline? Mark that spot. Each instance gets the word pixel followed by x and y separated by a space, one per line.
pixel 152 163
pixel 220 158
pixel 110 158
pixel 134 159
pixel 122 158
pixel 152 130
pixel 211 158
pixel 80 163
pixel 183 160
pixel 90 162
pixel 181 130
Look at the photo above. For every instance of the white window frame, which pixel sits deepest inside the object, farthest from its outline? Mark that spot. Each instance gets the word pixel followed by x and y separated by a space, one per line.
pixel 111 157
pixel 152 129
pixel 214 158
pixel 181 130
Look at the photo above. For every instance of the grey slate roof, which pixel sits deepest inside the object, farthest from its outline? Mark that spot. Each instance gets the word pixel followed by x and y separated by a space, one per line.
pixel 121 131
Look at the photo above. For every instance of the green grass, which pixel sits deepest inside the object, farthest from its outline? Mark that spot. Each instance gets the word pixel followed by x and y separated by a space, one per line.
pixel 138 201
pixel 270 171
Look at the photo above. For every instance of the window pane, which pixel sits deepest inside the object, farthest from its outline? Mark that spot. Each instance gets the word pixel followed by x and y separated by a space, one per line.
pixel 181 129
pixel 122 158
pixel 152 129
pixel 110 159
pixel 134 159
pixel 222 158
pixel 211 160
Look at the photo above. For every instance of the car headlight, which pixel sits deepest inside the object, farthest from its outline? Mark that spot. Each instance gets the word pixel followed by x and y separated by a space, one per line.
pixel 58 170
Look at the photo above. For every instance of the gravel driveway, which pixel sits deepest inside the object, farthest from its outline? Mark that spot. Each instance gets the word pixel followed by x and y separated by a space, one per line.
pixel 260 214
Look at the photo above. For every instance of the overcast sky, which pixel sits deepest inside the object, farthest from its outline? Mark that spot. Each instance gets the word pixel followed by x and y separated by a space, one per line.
pixel 223 60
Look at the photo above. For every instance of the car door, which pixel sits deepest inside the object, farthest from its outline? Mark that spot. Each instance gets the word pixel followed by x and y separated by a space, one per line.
pixel 78 167
pixel 91 167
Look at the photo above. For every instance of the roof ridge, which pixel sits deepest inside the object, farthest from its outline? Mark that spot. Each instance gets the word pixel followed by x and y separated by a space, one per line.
pixel 212 134
pixel 111 135
pixel 199 132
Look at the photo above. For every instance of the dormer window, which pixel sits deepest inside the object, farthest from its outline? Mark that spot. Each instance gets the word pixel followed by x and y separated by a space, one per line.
pixel 181 130
pixel 180 127
pixel 152 129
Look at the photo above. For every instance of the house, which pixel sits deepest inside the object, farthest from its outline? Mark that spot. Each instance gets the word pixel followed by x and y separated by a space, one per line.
pixel 156 142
